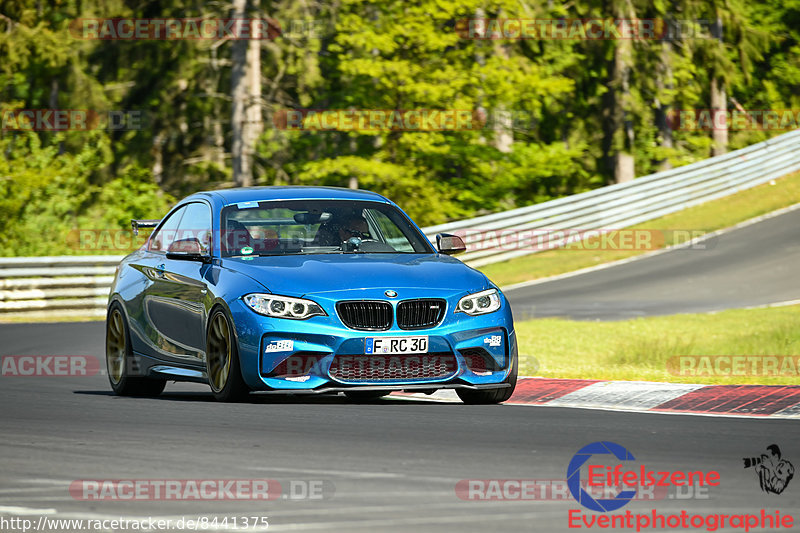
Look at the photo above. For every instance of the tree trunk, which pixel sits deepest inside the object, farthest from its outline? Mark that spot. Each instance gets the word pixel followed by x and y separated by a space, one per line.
pixel 719 102
pixel 502 124
pixel 246 119
pixel 352 182
pixel 242 174
pixel 217 140
pixel 663 83
pixel 719 105
pixel 503 130
pixel 157 151
pixel 618 104
pixel 254 118
pixel 54 105
pixel 624 167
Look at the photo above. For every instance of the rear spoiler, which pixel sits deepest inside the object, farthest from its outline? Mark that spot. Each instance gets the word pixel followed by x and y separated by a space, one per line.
pixel 149 223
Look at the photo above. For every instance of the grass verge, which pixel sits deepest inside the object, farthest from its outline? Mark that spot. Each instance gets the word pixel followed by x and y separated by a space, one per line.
pixel 639 349
pixel 707 217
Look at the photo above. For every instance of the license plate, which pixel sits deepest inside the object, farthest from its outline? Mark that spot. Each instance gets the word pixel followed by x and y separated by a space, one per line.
pixel 396 345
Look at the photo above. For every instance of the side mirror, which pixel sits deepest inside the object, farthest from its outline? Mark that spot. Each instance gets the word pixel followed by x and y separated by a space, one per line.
pixel 450 244
pixel 187 250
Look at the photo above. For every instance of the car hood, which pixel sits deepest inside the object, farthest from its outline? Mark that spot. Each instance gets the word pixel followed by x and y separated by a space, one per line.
pixel 299 275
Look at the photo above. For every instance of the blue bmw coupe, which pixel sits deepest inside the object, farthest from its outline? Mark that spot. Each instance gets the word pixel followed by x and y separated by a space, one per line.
pixel 304 290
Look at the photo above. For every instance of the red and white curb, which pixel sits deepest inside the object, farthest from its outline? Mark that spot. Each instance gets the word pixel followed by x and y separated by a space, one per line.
pixel 760 401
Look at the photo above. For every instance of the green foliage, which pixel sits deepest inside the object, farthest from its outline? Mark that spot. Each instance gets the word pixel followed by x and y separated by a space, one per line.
pixel 45 197
pixel 545 102
pixel 132 195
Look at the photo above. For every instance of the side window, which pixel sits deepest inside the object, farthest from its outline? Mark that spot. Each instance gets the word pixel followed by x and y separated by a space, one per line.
pixel 196 224
pixel 391 233
pixel 163 237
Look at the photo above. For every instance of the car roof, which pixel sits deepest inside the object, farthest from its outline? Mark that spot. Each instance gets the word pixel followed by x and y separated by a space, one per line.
pixel 249 194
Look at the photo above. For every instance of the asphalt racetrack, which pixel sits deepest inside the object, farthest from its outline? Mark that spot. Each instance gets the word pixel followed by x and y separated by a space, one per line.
pixel 397 464
pixel 394 465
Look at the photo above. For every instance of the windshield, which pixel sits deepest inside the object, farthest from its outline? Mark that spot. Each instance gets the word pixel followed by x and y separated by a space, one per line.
pixel 317 227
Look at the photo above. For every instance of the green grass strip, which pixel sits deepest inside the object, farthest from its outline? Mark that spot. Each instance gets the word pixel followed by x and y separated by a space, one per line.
pixel 640 349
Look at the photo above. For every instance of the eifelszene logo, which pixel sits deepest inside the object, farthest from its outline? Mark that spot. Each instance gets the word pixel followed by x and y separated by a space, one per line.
pixel 602 505
pixel 774 472
pixel 616 472
pixel 623 478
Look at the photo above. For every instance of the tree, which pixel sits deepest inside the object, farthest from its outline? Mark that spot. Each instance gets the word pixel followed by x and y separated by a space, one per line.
pixel 246 117
pixel 552 117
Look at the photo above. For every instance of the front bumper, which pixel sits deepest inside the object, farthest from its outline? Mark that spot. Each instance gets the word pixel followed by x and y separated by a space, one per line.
pixel 307 356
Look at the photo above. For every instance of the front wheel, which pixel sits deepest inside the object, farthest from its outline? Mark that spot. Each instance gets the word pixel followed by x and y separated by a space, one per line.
pixel 119 359
pixel 491 396
pixel 222 360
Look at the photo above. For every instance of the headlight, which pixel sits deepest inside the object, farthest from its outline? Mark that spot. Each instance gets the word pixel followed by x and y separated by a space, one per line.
pixel 283 306
pixel 479 303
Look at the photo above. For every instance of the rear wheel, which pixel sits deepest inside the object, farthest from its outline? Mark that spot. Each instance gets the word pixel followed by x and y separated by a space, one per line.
pixel 119 359
pixel 366 395
pixel 222 360
pixel 492 395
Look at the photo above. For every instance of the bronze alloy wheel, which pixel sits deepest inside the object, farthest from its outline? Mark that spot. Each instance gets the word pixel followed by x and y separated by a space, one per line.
pixel 222 359
pixel 115 346
pixel 125 372
pixel 219 352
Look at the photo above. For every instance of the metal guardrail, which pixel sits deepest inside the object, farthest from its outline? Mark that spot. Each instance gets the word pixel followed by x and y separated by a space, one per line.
pixel 50 286
pixel 78 285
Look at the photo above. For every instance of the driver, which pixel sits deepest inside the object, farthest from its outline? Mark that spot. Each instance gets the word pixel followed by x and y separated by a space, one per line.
pixel 354 226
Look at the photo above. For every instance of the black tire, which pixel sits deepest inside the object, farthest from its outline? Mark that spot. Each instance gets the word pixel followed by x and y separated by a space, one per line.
pixel 119 358
pixel 491 396
pixel 366 395
pixel 222 359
